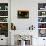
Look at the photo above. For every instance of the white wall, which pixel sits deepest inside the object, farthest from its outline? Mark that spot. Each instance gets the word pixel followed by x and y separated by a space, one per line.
pixel 3 1
pixel 23 24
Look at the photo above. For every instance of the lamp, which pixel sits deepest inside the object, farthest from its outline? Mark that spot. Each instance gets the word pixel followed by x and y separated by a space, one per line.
pixel 31 27
pixel 13 27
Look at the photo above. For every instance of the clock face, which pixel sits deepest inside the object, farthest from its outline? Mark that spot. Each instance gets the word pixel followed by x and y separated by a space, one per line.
pixel 42 32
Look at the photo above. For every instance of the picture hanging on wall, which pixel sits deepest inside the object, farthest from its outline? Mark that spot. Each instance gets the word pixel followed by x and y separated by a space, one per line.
pixel 42 32
pixel 22 14
pixel 4 29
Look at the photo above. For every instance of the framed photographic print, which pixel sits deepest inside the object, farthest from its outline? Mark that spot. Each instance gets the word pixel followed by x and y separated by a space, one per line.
pixel 4 29
pixel 22 14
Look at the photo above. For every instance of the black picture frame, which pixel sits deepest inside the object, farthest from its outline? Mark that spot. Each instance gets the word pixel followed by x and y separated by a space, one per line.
pixel 22 14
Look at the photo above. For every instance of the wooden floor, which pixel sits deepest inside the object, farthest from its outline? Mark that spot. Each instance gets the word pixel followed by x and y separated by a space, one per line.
pixel 3 45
